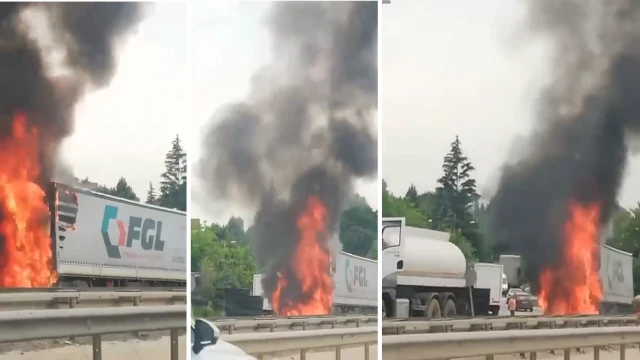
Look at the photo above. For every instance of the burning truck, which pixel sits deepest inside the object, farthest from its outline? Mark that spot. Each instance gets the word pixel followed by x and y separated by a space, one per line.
pixel 88 239
pixel 38 96
pixel 554 201
pixel 354 290
pixel 294 147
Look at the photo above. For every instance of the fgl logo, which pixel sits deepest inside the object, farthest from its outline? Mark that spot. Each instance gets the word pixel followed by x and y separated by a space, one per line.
pixel 356 276
pixel 147 231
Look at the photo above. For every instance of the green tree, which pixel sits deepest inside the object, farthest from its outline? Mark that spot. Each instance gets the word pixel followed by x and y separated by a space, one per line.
pixel 151 195
pixel 401 207
pixel 464 245
pixel 121 190
pixel 457 189
pixel 412 195
pixel 173 187
pixel 359 228
pixel 225 262
pixel 457 199
pixel 125 191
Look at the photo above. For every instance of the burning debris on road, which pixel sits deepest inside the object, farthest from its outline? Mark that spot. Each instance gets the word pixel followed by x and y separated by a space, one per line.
pixel 553 203
pixel 36 114
pixel 294 147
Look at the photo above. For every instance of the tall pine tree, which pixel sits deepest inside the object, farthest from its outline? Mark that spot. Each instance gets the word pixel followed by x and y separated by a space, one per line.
pixel 457 189
pixel 457 196
pixel 173 187
pixel 123 190
pixel 151 195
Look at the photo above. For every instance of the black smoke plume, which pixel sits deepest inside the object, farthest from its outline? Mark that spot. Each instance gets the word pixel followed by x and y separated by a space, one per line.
pixel 579 151
pixel 307 128
pixel 84 36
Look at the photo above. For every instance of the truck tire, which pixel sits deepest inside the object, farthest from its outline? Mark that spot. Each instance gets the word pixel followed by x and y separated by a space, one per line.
pixel 433 309
pixel 449 309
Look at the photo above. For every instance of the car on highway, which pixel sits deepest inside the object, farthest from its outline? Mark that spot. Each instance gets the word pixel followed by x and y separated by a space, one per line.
pixel 207 345
pixel 511 292
pixel 524 301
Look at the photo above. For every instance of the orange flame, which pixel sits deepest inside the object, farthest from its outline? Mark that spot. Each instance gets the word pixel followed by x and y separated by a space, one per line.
pixel 310 264
pixel 576 281
pixel 25 259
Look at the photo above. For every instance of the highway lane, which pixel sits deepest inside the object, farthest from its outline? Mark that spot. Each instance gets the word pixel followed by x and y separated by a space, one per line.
pixel 610 353
pixel 354 353
pixel 121 350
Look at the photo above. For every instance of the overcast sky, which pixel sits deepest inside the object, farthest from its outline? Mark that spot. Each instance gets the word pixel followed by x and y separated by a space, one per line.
pixel 459 68
pixel 127 128
pixel 230 43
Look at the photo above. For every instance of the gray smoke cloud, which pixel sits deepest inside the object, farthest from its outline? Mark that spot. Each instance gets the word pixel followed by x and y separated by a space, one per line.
pixel 578 152
pixel 306 128
pixel 85 37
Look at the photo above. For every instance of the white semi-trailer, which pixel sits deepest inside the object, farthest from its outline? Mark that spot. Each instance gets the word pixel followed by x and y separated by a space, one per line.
pixel 102 240
pixel 616 276
pixel 425 275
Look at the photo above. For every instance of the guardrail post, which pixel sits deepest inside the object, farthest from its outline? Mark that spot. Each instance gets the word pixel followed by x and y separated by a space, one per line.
pixel 567 354
pixel 623 351
pixel 72 305
pixel 533 355
pixel 489 357
pixel 136 302
pixel 367 351
pixel 338 353
pixel 523 326
pixel 174 344
pixel 596 353
pixel 97 347
pixel 303 354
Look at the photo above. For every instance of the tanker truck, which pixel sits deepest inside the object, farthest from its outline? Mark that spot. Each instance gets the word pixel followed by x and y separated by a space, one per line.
pixel 424 275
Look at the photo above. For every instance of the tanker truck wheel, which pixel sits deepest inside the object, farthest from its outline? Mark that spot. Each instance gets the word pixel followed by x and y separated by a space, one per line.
pixel 433 309
pixel 449 309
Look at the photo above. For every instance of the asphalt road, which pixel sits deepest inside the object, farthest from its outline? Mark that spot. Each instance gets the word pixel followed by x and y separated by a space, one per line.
pixel 353 353
pixel 611 353
pixel 111 350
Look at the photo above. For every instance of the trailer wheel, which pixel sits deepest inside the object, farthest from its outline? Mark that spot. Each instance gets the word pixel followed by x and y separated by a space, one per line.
pixel 449 309
pixel 433 309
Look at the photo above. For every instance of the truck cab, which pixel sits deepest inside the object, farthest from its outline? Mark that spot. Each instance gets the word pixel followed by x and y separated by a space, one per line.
pixel 424 274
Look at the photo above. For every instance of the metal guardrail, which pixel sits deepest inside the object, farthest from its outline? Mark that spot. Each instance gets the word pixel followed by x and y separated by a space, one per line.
pixel 505 323
pixel 4 290
pixel 294 317
pixel 260 345
pixel 100 299
pixel 489 344
pixel 18 326
pixel 292 324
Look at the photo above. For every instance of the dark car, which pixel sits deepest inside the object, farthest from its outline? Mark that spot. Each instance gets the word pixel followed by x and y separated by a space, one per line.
pixel 524 301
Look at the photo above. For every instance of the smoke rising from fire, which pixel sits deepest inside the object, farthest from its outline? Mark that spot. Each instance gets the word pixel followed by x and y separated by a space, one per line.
pixel 84 36
pixel 306 129
pixel 579 150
